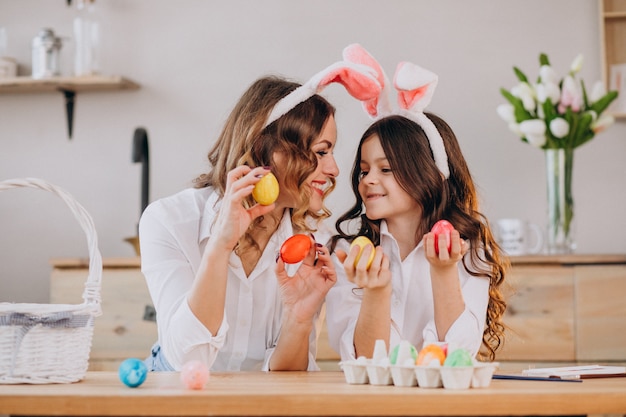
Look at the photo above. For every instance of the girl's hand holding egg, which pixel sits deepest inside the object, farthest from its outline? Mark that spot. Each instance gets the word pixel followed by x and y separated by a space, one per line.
pixel 442 227
pixel 362 242
pixel 444 245
pixel 368 270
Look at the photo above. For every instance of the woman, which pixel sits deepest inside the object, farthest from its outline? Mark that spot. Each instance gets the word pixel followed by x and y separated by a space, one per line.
pixel 209 254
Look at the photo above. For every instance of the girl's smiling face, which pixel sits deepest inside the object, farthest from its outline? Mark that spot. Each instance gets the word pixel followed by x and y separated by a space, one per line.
pixel 381 193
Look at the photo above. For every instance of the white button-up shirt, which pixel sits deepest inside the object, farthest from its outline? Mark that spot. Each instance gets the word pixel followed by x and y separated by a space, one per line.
pixel 412 308
pixel 173 234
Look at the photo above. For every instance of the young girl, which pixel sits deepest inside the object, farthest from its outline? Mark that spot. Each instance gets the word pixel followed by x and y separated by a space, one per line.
pixel 209 253
pixel 409 173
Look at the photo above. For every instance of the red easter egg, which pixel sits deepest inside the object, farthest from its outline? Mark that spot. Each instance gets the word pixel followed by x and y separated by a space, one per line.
pixel 295 248
pixel 445 227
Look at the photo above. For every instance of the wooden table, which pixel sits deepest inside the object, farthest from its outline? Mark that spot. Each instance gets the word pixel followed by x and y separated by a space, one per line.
pixel 306 394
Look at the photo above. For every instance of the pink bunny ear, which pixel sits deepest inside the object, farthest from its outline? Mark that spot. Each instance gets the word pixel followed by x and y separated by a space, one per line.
pixel 380 104
pixel 416 87
pixel 359 80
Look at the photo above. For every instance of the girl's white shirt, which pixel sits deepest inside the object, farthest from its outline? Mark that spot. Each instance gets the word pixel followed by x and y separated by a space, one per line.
pixel 173 234
pixel 412 308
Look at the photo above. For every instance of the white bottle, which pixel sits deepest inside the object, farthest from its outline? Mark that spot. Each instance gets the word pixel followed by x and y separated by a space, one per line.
pixel 86 39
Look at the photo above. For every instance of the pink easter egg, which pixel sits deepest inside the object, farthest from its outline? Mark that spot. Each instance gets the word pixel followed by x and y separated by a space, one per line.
pixel 442 227
pixel 194 375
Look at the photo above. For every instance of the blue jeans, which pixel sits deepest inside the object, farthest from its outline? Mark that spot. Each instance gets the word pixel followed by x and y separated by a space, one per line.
pixel 156 361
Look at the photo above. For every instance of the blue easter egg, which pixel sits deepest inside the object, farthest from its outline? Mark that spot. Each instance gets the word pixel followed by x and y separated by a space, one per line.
pixel 133 372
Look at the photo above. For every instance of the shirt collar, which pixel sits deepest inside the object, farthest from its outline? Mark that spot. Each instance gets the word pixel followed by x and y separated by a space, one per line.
pixel 388 241
pixel 284 231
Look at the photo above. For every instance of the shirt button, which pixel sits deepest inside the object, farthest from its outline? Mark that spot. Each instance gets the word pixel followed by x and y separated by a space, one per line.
pixel 243 323
pixel 396 303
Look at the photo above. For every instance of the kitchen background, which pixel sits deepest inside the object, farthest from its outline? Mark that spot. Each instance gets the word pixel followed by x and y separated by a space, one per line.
pixel 194 58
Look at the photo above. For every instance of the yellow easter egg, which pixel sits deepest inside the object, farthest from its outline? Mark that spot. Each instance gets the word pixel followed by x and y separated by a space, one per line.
pixel 265 191
pixel 361 242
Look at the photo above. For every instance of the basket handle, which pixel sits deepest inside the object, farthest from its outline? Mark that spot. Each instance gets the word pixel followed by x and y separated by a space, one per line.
pixel 91 295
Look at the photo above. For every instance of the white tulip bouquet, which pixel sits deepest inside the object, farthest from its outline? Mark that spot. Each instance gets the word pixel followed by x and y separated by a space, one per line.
pixel 553 113
pixel 557 116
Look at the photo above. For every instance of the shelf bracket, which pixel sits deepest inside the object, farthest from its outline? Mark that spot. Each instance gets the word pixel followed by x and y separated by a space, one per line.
pixel 69 110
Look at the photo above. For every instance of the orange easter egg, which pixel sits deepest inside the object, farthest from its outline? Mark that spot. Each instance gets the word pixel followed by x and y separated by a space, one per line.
pixel 430 355
pixel 295 248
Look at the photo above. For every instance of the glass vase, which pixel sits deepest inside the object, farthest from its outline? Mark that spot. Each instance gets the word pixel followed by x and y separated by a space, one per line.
pixel 560 230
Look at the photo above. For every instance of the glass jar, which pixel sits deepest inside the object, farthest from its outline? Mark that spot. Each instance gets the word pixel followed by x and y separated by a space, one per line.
pixel 46 51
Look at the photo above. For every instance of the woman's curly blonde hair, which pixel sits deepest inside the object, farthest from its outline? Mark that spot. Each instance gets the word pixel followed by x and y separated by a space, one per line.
pixel 245 140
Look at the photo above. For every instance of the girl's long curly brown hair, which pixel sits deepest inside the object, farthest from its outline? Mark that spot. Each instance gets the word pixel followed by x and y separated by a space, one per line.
pixel 245 140
pixel 408 152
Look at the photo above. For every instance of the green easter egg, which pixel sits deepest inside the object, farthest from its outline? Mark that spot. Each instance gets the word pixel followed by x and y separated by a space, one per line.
pixel 393 355
pixel 459 357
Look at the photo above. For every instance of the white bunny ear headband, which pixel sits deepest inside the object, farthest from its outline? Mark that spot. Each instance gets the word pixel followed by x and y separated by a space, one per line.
pixel 359 80
pixel 415 86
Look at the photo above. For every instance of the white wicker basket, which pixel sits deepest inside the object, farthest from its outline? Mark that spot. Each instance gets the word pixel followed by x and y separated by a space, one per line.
pixel 50 343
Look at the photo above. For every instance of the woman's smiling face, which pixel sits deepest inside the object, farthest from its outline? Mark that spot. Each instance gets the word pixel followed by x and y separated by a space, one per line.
pixel 318 181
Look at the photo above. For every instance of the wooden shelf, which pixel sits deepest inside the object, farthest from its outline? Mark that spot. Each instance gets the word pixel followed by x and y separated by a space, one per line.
pixel 614 15
pixel 68 86
pixel 76 84
pixel 613 38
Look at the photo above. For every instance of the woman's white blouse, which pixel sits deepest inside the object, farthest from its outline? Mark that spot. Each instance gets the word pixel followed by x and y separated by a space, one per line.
pixel 173 233
pixel 412 310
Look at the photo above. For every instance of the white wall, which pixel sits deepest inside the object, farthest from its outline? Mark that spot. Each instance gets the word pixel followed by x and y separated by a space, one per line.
pixel 194 58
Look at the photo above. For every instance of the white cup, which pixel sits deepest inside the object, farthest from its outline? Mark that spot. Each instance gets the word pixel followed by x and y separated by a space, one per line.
pixel 516 235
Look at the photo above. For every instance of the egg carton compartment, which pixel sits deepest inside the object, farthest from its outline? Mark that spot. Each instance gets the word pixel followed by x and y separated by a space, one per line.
pixel 355 371
pixel 403 376
pixel 379 374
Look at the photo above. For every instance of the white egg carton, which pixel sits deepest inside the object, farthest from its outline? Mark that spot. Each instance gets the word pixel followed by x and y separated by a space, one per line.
pixel 364 371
